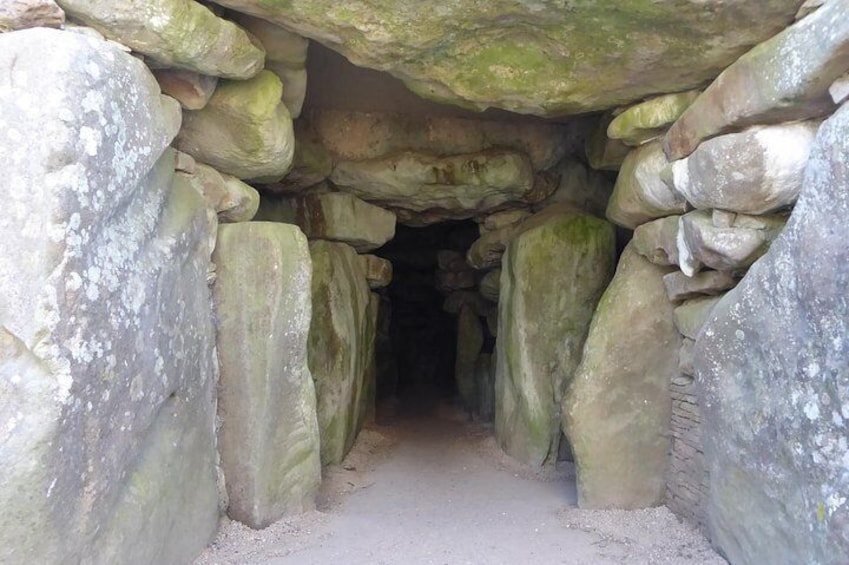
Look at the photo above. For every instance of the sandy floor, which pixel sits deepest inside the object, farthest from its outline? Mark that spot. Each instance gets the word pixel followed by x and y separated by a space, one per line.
pixel 439 491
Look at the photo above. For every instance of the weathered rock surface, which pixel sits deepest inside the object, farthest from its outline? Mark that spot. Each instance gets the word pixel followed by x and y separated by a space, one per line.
pixel 691 316
pixel 339 356
pixel 650 119
pixel 686 356
pixel 268 439
pixel 773 376
pixel 230 198
pixel 469 343
pixel 244 130
pixel 839 89
pixel 458 186
pixel 544 59
pixel 338 216
pixel 23 14
pixel 359 136
pixel 603 153
pixel 657 241
pixel 681 287
pixel 377 269
pixel 294 86
pixel 107 368
pixel 490 285
pixel 640 195
pixel 174 33
pixel 586 189
pixel 702 240
pixel 190 89
pixel 552 277
pixel 752 172
pixel 783 79
pixel 616 410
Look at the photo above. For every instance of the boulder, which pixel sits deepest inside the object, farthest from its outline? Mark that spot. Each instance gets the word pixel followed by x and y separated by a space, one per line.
pixel 603 153
pixel 311 165
pixel 617 407
pixel 547 59
pixel 190 89
pixel 640 194
pixel 756 171
pixel 490 285
pixel 281 45
pixel 681 287
pixel 657 241
pixel 457 186
pixel 174 33
pixel 377 269
pixel 703 240
pixel 268 438
pixel 338 216
pixel 650 119
pixel 486 251
pixel 107 363
pixel 244 130
pixel 359 136
pixel 339 356
pixel 469 344
pixel 691 316
pixel 769 86
pixel 230 198
pixel 773 377
pixel 503 219
pixel 586 189
pixel 552 277
pixel 455 301
pixel 24 14
pixel 294 86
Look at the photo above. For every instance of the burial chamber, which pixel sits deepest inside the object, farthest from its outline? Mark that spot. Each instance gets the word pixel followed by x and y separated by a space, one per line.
pixel 237 232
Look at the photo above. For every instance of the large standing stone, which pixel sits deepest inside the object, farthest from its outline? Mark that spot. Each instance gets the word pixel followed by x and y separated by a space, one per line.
pixel 244 130
pixel 543 58
pixel 617 408
pixel 640 195
pixel 753 172
pixel 338 352
pixel 343 217
pixel 268 438
pixel 783 79
pixel 650 119
pixel 174 33
pixel 458 186
pixel 774 380
pixel 469 343
pixel 107 366
pixel 552 276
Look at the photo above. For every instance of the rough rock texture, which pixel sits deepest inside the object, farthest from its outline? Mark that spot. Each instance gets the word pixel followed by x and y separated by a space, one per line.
pixel 603 153
pixel 691 316
pixel 268 438
pixel 783 79
pixel 192 90
pixel 174 33
pixel 839 89
pixel 23 14
pixel 244 130
pixel 458 186
pixel 681 287
pixel 358 136
pixel 490 285
pixel 752 172
pixel 584 188
pixel 687 479
pixel 338 354
pixel 773 376
pixel 230 198
pixel 552 277
pixel 543 58
pixel 640 195
pixel 650 119
pixel 378 270
pixel 107 367
pixel 724 245
pixel 469 343
pixel 343 217
pixel 657 241
pixel 616 410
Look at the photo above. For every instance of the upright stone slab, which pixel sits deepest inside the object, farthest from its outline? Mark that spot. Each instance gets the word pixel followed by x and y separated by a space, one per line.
pixel 469 343
pixel 107 367
pixel 617 409
pixel 552 276
pixel 268 437
pixel 338 352
pixel 773 373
